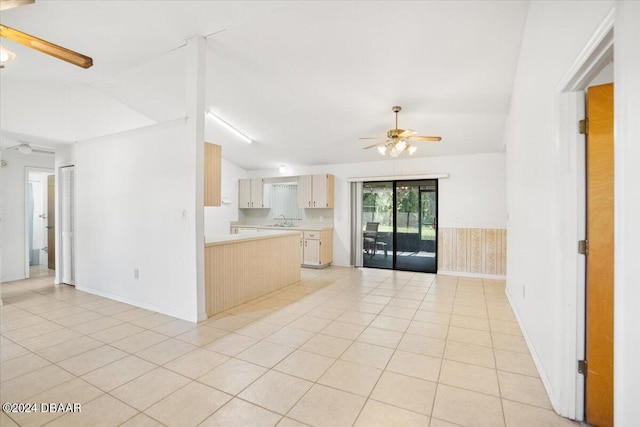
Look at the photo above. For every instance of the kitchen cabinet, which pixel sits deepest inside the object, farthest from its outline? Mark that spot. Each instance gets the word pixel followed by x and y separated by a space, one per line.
pixel 316 248
pixel 251 194
pixel 212 174
pixel 315 191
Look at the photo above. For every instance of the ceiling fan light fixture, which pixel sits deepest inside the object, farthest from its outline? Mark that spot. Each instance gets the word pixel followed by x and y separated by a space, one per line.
pixel 398 140
pixel 6 56
pixel 25 148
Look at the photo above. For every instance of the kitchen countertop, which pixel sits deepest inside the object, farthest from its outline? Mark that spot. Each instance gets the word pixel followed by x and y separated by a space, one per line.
pixel 295 228
pixel 245 237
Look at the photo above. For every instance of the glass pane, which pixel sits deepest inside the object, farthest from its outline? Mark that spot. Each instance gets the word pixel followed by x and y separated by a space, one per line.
pixel 416 211
pixel 377 224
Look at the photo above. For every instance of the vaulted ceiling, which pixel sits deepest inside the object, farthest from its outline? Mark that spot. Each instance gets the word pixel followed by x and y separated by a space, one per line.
pixel 303 79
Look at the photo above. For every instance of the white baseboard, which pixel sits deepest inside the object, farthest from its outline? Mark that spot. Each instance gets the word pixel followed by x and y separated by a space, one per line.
pixel 13 278
pixel 536 359
pixel 136 303
pixel 475 275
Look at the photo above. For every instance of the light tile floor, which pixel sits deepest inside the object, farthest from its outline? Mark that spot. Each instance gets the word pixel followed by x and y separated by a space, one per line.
pixel 343 347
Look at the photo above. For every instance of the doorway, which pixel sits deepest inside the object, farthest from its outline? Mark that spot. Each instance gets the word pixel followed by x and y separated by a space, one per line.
pixel 40 235
pixel 400 225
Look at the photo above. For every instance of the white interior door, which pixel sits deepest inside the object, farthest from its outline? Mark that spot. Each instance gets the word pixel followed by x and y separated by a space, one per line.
pixel 67 222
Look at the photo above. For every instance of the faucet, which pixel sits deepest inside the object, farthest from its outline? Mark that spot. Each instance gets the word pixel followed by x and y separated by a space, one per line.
pixel 284 219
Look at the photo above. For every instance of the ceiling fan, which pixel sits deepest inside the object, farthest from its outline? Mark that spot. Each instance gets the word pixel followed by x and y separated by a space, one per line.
pixel 26 148
pixel 398 140
pixel 33 42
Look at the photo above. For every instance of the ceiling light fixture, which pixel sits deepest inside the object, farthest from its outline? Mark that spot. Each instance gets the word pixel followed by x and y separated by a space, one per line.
pixel 398 140
pixel 230 128
pixel 282 169
pixel 6 56
pixel 397 147
pixel 25 148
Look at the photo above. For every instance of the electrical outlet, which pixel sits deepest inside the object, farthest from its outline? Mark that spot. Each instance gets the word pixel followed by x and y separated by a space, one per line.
pixel 136 273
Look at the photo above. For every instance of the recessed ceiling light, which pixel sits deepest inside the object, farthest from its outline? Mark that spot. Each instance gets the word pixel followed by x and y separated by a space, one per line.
pixel 282 169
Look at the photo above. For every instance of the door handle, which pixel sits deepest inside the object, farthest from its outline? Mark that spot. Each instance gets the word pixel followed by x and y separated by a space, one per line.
pixel 435 223
pixel 49 226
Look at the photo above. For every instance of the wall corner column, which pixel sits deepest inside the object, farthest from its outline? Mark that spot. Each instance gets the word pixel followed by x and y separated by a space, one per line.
pixel 195 88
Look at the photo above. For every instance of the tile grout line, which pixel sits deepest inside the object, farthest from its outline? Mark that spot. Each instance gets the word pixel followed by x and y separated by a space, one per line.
pixel 435 393
pixel 325 290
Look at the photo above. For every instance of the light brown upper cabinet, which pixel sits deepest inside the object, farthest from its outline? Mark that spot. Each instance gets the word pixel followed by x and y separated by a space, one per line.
pixel 212 174
pixel 251 194
pixel 315 191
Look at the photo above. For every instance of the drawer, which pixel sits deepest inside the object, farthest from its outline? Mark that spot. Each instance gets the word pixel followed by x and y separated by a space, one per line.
pixel 312 235
pixel 241 230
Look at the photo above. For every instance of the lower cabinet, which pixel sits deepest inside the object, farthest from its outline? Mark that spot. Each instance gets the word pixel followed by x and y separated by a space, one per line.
pixel 316 248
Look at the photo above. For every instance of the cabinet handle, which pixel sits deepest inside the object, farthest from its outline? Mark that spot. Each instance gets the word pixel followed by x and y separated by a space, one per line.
pixel 309 203
pixel 314 204
pixel 305 243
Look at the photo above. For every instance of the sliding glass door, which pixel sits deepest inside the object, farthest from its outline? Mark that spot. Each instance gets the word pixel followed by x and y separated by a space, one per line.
pixel 378 223
pixel 400 225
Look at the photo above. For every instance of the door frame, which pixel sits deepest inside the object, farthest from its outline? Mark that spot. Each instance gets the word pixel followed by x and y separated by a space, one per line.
pixel 395 223
pixel 355 207
pixel 27 171
pixel 570 170
pixel 394 209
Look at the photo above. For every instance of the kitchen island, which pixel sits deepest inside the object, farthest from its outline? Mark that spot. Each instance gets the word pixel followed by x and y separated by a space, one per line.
pixel 242 267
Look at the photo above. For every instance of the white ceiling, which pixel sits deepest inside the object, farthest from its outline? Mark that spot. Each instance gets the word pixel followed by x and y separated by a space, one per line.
pixel 303 79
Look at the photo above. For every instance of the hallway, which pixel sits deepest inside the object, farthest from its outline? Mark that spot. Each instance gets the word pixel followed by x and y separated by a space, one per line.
pixel 343 347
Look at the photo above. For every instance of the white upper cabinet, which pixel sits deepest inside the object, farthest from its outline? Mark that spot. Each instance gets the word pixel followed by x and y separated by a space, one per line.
pixel 315 191
pixel 244 193
pixel 250 193
pixel 305 189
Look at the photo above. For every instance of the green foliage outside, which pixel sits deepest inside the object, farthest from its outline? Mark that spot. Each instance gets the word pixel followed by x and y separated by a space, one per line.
pixel 378 205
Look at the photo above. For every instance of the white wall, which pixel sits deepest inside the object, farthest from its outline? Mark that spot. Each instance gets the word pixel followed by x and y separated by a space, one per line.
pixel 13 182
pixel 136 209
pixel 555 34
pixel 472 196
pixel 217 219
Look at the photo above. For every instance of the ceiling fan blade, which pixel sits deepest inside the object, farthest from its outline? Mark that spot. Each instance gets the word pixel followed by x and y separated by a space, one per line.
pixel 44 46
pixel 10 4
pixel 407 133
pixel 373 145
pixel 425 138
pixel 374 137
